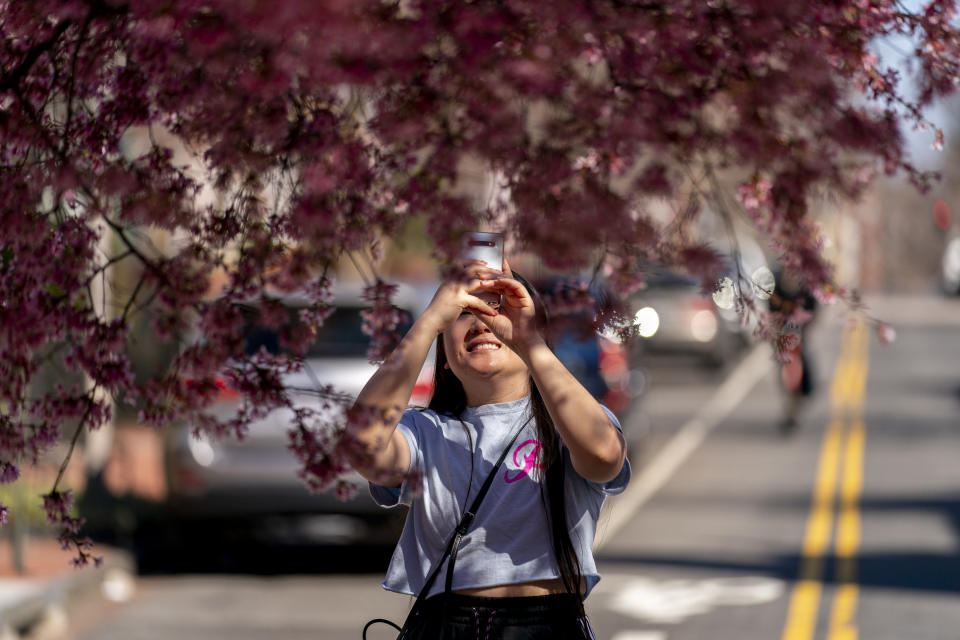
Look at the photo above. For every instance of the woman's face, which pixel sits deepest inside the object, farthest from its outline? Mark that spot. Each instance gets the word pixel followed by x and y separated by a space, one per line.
pixel 474 352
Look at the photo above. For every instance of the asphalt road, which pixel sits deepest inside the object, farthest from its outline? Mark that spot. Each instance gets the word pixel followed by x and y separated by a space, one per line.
pixel 848 528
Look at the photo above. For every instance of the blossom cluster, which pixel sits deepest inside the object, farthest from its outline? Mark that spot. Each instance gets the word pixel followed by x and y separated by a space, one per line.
pixel 270 139
pixel 381 321
pixel 59 506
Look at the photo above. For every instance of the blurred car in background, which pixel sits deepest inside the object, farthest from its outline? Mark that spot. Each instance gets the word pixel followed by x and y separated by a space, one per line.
pixel 255 480
pixel 673 316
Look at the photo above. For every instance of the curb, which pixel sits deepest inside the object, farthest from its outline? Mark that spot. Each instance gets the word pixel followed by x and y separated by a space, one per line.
pixel 26 603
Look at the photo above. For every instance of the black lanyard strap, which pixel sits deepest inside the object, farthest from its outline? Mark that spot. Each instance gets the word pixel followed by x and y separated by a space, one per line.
pixel 453 545
pixel 471 513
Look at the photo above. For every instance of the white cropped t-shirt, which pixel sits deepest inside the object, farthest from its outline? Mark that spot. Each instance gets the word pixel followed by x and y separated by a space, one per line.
pixel 509 541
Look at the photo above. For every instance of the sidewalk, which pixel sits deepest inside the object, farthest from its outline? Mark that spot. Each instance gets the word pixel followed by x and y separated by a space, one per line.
pixel 49 583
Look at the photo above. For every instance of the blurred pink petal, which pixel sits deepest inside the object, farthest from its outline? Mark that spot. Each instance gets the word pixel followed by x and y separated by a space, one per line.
pixel 885 333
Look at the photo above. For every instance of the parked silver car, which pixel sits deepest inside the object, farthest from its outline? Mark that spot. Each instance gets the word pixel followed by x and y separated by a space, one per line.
pixel 256 480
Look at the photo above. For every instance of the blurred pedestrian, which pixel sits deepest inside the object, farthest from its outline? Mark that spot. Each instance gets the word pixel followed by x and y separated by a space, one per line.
pixel 798 307
pixel 523 561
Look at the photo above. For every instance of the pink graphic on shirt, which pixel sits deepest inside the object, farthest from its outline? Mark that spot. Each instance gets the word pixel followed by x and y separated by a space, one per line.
pixel 531 449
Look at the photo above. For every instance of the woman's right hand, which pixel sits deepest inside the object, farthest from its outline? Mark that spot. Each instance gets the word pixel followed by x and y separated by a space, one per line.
pixel 456 295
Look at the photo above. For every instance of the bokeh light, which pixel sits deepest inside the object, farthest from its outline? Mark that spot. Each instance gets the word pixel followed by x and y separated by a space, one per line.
pixel 725 295
pixel 763 283
pixel 647 321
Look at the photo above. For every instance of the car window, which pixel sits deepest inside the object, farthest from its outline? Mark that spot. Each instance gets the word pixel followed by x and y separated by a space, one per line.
pixel 663 279
pixel 341 335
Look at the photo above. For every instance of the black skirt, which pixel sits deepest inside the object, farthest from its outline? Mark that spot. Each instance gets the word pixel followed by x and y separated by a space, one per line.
pixel 461 617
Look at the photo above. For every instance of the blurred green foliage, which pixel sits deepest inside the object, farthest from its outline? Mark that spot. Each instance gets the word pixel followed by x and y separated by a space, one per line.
pixel 24 498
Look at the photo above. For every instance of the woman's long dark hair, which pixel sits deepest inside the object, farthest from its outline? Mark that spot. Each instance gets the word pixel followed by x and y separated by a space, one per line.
pixel 449 398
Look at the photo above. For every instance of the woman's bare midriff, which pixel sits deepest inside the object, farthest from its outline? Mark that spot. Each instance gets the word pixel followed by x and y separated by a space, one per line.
pixel 534 588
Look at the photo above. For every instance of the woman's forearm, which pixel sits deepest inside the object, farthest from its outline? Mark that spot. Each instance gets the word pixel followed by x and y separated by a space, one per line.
pixel 384 399
pixel 597 449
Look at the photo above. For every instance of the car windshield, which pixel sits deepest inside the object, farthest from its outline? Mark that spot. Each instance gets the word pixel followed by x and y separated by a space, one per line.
pixel 340 336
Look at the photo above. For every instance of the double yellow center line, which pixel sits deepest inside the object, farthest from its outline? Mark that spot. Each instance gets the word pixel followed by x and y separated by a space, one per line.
pixel 843 442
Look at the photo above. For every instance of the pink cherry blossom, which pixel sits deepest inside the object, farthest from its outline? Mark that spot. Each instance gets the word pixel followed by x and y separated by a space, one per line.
pixel 269 141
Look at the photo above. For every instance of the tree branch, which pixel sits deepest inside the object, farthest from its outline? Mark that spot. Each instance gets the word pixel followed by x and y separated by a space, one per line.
pixel 120 231
pixel 72 83
pixel 12 79
pixel 133 298
pixel 76 437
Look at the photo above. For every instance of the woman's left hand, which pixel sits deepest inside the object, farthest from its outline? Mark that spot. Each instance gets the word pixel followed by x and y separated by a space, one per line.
pixel 516 323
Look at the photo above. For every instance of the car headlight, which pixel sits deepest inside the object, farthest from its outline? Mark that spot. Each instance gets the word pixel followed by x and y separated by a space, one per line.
pixel 201 449
pixel 951 261
pixel 647 321
pixel 703 325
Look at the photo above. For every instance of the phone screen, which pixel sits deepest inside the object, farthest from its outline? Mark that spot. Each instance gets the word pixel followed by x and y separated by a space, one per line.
pixel 488 247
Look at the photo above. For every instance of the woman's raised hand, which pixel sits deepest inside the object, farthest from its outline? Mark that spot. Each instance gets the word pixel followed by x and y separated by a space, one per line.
pixel 516 324
pixel 456 295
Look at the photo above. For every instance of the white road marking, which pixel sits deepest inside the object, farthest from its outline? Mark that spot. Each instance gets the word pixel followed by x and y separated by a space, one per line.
pixel 639 635
pixel 621 509
pixel 673 601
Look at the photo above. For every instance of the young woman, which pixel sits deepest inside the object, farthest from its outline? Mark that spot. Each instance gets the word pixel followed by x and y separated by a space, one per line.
pixel 525 564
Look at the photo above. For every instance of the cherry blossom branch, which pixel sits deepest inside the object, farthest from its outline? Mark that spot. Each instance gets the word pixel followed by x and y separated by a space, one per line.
pixel 319 391
pixel 12 78
pixel 358 117
pixel 34 117
pixel 71 80
pixel 132 248
pixel 76 437
pixel 367 281
pixel 717 196
pixel 132 299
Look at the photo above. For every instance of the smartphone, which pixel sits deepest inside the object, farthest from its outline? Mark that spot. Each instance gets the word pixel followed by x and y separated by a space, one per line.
pixel 481 245
pixel 488 247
